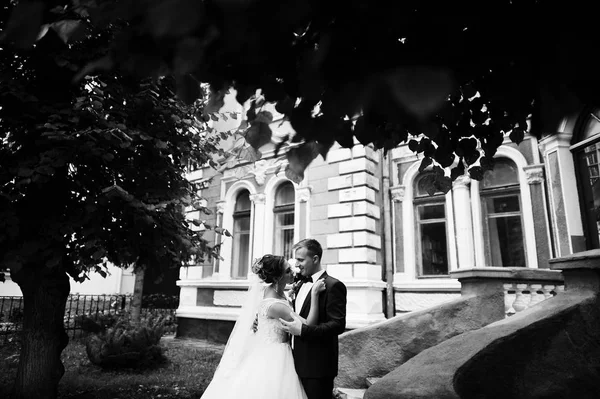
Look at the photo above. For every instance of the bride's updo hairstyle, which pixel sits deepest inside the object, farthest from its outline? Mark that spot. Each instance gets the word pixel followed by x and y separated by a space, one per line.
pixel 269 268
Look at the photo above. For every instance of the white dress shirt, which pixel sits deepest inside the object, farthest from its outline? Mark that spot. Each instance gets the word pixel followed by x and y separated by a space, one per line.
pixel 305 290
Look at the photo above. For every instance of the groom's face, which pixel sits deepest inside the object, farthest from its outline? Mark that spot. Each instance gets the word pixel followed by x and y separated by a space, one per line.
pixel 306 262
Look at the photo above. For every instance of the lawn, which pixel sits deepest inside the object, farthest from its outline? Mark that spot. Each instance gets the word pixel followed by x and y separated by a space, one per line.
pixel 186 374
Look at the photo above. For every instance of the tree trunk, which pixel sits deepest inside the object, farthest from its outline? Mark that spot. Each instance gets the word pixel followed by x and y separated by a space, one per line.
pixel 45 294
pixel 138 291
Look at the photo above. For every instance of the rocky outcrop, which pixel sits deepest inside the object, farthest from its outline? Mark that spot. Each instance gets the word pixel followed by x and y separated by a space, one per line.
pixel 551 350
pixel 378 349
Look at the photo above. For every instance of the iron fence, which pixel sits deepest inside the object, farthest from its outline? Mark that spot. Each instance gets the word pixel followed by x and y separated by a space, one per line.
pixel 89 313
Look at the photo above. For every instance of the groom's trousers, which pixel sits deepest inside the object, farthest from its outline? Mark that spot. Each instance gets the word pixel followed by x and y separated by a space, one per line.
pixel 318 388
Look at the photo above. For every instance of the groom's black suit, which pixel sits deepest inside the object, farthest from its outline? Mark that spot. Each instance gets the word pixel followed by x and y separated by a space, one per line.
pixel 316 349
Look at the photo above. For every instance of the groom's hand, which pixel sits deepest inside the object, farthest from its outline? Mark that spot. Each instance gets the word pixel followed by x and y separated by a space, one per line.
pixel 293 327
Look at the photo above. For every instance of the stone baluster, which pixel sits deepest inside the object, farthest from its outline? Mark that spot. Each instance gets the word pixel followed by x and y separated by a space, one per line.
pixel 521 301
pixel 547 290
pixel 535 296
pixel 559 289
pixel 509 299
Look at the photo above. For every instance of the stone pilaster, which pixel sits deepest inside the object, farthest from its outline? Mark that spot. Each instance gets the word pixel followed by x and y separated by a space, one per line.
pixel 257 226
pixel 357 241
pixel 535 175
pixel 463 222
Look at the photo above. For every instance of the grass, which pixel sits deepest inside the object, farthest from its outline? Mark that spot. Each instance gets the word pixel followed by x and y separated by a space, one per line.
pixel 185 375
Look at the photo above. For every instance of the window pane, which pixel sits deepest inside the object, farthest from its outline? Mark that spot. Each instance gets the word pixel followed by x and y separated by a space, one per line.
pixel 284 233
pixel 505 173
pixel 285 194
pixel 506 241
pixel 285 219
pixel 435 211
pixel 434 252
pixel 241 253
pixel 241 223
pixel 288 243
pixel 502 204
pixel 242 202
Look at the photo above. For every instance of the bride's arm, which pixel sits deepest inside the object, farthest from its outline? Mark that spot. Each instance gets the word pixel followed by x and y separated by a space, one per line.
pixel 313 313
pixel 279 310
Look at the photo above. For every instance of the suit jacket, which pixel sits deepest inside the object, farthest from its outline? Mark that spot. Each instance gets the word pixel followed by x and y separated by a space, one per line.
pixel 316 349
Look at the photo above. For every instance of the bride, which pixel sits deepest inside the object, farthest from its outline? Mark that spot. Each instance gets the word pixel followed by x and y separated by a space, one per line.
pixel 261 365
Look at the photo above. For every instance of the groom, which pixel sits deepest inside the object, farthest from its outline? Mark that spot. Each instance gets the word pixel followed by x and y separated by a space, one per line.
pixel 316 346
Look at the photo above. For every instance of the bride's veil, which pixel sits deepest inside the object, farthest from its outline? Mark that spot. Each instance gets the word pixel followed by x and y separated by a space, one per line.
pixel 242 336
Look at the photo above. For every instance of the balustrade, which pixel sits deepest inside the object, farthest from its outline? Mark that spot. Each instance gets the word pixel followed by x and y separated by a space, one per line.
pixel 523 295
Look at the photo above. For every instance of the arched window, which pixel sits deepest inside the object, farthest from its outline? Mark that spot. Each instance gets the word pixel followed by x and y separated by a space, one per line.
pixel 586 152
pixel 431 232
pixel 283 211
pixel 241 236
pixel 501 214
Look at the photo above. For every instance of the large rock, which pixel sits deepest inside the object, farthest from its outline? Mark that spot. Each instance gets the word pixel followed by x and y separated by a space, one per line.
pixel 376 350
pixel 551 350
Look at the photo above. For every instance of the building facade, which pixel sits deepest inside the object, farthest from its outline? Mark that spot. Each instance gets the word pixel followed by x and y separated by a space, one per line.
pixel 542 200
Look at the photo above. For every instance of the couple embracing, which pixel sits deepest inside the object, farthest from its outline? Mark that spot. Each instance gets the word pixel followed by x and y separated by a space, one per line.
pixel 285 348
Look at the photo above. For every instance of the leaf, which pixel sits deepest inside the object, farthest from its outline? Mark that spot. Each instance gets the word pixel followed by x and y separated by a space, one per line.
pixel 425 163
pixel 413 145
pixel 69 30
pixel 23 26
pixel 517 135
pixel 298 160
pixel 25 172
pixel 161 144
pixel 443 183
pixel 250 154
pixel 258 134
pixel 476 172
pixel 220 230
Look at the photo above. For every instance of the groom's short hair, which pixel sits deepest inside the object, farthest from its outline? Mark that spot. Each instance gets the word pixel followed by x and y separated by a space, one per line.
pixel 313 246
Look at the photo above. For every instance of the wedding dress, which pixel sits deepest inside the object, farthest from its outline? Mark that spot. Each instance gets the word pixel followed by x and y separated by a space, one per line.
pixel 260 368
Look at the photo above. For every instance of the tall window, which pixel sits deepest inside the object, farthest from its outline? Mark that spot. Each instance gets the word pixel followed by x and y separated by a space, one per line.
pixel 284 219
pixel 432 239
pixel 501 207
pixel 241 236
pixel 587 154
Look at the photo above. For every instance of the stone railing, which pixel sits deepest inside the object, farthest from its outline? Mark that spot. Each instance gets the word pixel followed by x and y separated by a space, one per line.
pixel 523 295
pixel 522 287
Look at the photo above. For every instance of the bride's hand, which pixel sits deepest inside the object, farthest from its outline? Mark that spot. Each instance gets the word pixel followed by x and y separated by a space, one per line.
pixel 299 317
pixel 318 287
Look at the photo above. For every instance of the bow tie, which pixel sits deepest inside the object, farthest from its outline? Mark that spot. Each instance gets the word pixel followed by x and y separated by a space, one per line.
pixel 304 279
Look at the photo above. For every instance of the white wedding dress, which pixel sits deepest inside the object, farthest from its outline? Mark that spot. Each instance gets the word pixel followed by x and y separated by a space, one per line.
pixel 267 371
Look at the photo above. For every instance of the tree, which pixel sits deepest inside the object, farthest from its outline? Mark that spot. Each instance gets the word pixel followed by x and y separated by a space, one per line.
pixel 461 73
pixel 91 173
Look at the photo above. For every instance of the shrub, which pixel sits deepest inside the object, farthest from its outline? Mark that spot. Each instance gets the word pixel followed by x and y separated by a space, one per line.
pixel 127 345
pixel 160 301
pixel 98 322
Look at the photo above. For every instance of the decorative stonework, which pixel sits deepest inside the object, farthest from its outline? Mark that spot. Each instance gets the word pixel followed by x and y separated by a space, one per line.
pixel 398 193
pixel 221 207
pixel 462 181
pixel 534 174
pixel 260 172
pixel 303 193
pixel 258 198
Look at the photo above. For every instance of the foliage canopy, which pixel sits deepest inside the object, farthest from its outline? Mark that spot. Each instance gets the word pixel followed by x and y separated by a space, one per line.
pixel 463 74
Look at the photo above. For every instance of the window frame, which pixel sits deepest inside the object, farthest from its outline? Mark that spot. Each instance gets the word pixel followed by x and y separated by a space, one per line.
pixel 494 192
pixel 419 201
pixel 236 248
pixel 278 230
